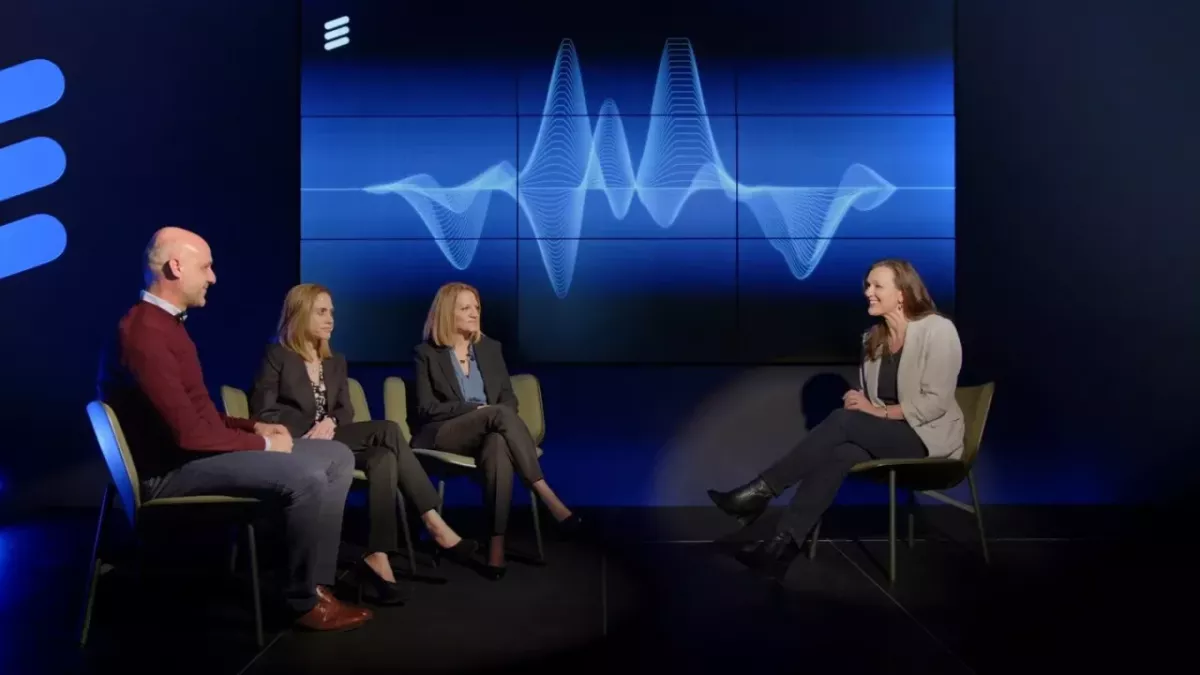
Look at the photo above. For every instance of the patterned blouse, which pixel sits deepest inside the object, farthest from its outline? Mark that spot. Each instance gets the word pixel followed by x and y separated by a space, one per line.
pixel 318 388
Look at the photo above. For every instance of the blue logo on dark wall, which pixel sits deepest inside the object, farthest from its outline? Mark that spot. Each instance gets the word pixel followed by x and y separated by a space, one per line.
pixel 29 165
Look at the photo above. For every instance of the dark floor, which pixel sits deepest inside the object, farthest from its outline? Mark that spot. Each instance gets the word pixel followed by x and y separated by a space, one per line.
pixel 633 604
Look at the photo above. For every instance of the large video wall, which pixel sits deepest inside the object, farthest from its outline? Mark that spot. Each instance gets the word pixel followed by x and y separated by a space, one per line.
pixel 625 182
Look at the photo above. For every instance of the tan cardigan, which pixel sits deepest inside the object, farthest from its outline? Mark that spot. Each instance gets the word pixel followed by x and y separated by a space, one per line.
pixel 926 381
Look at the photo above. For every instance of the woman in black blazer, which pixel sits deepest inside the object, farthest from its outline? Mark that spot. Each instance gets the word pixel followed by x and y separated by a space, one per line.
pixel 466 405
pixel 305 387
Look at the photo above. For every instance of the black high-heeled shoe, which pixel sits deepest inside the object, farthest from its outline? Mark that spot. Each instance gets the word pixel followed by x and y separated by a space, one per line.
pixel 746 503
pixel 494 573
pixel 384 592
pixel 570 526
pixel 460 553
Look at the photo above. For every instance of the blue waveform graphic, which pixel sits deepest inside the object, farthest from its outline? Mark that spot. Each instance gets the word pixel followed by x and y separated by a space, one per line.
pixel 571 158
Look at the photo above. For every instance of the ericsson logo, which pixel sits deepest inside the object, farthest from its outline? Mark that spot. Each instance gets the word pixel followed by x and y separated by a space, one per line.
pixel 337 32
pixel 29 165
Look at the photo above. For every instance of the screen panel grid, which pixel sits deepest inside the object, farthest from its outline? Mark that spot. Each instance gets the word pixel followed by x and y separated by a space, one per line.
pixel 683 188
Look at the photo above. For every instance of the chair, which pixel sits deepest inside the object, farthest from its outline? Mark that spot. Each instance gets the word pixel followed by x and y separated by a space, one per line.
pixel 931 476
pixel 126 486
pixel 358 401
pixel 237 405
pixel 529 403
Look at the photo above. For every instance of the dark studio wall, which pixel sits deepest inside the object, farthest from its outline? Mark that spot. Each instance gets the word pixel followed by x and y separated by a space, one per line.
pixel 173 113
pixel 1076 225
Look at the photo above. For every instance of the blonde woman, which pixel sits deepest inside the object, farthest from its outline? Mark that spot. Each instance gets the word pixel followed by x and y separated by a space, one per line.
pixel 304 386
pixel 466 405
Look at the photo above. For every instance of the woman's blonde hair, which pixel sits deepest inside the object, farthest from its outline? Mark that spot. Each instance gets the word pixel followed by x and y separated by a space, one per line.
pixel 439 325
pixel 296 318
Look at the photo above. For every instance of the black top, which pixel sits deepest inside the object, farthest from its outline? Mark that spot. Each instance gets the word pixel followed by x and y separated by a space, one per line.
pixel 888 390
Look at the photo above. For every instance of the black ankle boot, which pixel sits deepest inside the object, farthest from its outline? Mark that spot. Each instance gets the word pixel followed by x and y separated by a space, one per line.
pixel 745 503
pixel 772 557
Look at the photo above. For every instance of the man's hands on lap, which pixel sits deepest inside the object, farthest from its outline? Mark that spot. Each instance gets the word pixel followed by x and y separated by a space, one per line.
pixel 280 442
pixel 277 434
pixel 265 429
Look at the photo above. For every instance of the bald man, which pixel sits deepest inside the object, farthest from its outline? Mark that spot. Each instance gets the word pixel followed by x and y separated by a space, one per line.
pixel 182 446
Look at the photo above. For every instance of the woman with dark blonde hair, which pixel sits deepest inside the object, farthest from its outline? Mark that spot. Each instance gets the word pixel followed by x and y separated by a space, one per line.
pixel 466 405
pixel 904 408
pixel 304 386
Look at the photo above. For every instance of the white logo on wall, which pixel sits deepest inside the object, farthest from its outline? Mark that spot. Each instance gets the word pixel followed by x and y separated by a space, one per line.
pixel 337 33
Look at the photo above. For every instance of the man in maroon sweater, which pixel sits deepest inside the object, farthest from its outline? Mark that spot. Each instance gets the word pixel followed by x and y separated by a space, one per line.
pixel 182 446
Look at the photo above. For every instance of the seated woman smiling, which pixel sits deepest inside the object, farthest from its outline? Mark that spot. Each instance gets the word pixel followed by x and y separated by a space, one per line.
pixel 304 386
pixel 904 408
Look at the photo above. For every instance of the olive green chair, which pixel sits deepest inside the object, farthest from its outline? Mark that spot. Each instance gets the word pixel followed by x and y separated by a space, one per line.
pixel 237 405
pixel 449 464
pixel 931 476
pixel 125 488
pixel 358 401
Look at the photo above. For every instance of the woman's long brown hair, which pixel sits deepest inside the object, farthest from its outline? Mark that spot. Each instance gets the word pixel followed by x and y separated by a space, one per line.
pixel 917 304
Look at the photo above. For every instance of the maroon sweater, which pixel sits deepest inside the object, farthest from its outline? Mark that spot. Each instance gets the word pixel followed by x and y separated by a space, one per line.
pixel 152 380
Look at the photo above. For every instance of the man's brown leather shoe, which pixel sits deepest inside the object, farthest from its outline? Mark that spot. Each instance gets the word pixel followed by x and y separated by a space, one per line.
pixel 332 614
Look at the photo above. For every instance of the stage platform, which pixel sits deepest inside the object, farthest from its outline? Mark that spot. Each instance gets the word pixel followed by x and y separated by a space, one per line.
pixel 649 591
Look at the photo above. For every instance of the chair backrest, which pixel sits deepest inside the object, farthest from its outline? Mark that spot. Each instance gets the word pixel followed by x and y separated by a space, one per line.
pixel 115 450
pixel 235 402
pixel 358 401
pixel 529 402
pixel 975 403
pixel 395 405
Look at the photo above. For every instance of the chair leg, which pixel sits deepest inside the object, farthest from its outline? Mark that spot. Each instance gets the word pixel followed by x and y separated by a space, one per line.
pixel 892 525
pixel 437 562
pixel 978 517
pixel 537 526
pixel 252 547
pixel 402 512
pixel 94 573
pixel 812 540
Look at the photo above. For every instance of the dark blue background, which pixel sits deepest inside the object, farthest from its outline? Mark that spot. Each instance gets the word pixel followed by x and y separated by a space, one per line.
pixel 419 93
pixel 1074 248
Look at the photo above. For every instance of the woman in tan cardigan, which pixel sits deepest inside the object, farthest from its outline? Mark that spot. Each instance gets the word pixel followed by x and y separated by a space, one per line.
pixel 904 408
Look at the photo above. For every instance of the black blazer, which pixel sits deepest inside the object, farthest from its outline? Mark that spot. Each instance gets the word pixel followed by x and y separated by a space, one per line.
pixel 439 398
pixel 282 392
